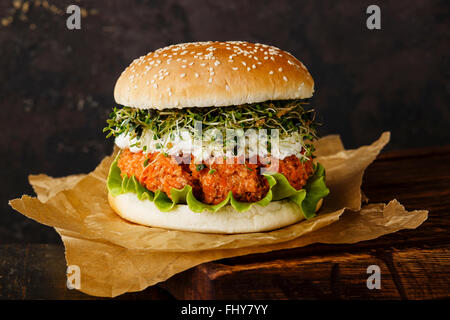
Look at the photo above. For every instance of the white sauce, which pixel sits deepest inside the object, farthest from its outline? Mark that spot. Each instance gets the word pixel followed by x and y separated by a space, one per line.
pixel 184 143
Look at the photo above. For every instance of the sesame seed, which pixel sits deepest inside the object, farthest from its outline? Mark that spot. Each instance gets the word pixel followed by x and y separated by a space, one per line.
pixel 243 62
pixel 270 72
pixel 183 66
pixel 248 68
pixel 210 80
pixel 285 79
pixel 280 69
pixel 234 68
pixel 227 87
pixel 253 66
pixel 155 86
pixel 196 75
pixel 183 75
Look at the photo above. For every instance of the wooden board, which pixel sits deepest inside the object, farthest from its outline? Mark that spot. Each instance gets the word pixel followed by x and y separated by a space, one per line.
pixel 414 264
pixel 38 271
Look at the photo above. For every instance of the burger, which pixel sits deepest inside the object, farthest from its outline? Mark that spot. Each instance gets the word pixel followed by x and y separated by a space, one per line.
pixel 215 137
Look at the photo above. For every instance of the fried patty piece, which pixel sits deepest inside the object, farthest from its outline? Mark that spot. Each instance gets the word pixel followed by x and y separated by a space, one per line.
pixel 295 171
pixel 211 181
pixel 159 172
pixel 217 180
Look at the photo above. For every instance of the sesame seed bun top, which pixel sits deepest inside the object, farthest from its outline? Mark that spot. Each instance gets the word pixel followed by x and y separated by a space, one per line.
pixel 205 74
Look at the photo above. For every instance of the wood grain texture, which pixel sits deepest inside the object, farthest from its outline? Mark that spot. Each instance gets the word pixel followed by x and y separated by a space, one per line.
pixel 38 271
pixel 414 263
pixel 412 273
pixel 315 277
pixel 425 273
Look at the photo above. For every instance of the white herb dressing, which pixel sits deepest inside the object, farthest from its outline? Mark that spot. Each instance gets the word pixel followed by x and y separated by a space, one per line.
pixel 183 142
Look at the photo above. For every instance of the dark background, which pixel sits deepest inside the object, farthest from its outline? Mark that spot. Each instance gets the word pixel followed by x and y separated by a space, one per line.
pixel 56 85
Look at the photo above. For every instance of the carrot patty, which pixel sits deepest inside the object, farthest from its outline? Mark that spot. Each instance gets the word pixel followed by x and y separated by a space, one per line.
pixel 295 171
pixel 155 171
pixel 211 181
pixel 218 179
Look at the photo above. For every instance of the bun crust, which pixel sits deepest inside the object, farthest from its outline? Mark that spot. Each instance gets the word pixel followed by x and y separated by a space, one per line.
pixel 275 215
pixel 204 74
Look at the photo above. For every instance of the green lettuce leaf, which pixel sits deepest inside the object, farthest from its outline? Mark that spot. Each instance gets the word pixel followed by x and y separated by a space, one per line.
pixel 316 189
pixel 306 198
pixel 164 203
pixel 198 206
pixel 117 185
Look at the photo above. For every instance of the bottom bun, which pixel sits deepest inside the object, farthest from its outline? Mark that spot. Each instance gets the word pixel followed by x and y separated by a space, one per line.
pixel 275 215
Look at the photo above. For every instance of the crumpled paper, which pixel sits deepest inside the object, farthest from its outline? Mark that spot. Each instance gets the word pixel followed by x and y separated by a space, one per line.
pixel 116 256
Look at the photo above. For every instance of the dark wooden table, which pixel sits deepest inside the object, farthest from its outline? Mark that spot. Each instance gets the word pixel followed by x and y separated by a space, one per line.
pixel 414 264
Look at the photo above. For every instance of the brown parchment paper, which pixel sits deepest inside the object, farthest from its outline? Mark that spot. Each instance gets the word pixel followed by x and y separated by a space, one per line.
pixel 116 256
